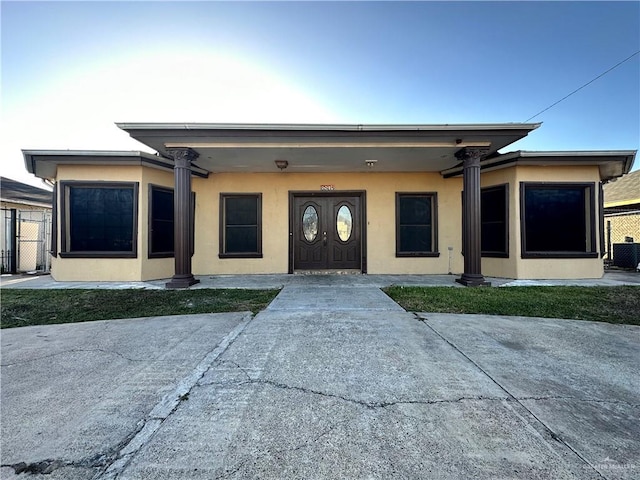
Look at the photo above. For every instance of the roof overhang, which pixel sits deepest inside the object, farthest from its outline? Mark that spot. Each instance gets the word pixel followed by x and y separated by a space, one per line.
pixel 325 148
pixel 611 163
pixel 44 163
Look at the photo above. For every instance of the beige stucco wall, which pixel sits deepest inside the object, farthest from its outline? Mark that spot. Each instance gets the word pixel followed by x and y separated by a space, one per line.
pixel 380 207
pixel 117 269
pixel 534 268
pixel 504 267
pixel 380 191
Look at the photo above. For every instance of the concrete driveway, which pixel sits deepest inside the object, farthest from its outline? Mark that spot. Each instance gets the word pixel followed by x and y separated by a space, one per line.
pixel 328 382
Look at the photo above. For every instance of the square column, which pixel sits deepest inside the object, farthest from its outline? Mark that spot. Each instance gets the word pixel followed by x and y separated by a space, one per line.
pixel 182 158
pixel 471 221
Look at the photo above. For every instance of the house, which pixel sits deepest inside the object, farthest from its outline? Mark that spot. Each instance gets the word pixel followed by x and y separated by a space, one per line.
pixel 26 226
pixel 395 199
pixel 622 219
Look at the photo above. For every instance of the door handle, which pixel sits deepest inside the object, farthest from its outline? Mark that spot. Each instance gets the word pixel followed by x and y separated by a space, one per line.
pixel 324 238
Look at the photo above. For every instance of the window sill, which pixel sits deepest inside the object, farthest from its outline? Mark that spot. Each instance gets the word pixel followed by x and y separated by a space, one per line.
pixel 494 255
pixel 418 254
pixel 161 255
pixel 560 255
pixel 240 255
pixel 98 255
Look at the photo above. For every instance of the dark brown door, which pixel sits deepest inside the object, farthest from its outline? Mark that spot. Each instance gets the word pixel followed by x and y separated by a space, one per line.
pixel 327 233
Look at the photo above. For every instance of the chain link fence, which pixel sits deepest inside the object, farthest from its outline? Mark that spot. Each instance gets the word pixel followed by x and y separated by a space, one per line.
pixel 25 240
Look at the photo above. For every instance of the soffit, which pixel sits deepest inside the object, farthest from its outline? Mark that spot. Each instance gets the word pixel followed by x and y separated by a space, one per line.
pixel 326 148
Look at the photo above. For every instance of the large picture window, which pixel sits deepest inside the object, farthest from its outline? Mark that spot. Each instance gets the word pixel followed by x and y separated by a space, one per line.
pixel 558 220
pixel 495 221
pixel 99 219
pixel 416 229
pixel 240 225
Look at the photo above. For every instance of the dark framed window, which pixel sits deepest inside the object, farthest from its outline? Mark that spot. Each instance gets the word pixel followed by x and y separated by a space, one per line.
pixel 161 222
pixel 99 219
pixel 161 235
pixel 416 225
pixel 558 220
pixel 240 225
pixel 494 217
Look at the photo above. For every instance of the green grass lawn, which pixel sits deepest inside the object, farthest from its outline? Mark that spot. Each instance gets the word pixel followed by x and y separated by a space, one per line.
pixel 22 307
pixel 604 304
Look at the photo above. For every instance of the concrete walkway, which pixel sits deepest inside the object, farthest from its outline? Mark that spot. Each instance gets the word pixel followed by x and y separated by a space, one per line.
pixel 276 281
pixel 327 383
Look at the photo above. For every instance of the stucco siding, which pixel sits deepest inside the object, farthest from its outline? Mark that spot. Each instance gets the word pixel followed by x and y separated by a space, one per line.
pixel 380 208
pixel 552 268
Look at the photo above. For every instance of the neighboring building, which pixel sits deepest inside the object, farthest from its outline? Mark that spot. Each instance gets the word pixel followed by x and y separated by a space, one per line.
pixel 622 218
pixel 26 226
pixel 374 199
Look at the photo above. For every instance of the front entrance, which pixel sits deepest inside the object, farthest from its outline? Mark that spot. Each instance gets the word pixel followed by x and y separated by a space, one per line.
pixel 326 231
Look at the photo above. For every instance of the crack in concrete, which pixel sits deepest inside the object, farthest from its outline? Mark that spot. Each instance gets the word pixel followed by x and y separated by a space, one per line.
pixel 236 468
pixel 548 430
pixel 369 405
pixel 75 350
pixel 149 425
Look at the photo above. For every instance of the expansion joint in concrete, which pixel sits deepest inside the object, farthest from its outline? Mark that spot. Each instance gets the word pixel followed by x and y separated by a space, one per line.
pixel 514 400
pixel 148 427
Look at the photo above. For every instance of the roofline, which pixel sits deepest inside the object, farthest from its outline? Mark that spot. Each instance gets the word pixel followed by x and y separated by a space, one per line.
pixel 511 158
pixel 327 127
pixel 622 203
pixel 152 159
pixel 567 153
pixel 27 202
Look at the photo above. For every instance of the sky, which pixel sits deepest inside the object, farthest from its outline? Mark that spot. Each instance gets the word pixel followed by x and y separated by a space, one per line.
pixel 71 70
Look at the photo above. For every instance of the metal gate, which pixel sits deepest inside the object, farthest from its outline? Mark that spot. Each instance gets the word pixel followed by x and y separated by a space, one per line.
pixel 26 236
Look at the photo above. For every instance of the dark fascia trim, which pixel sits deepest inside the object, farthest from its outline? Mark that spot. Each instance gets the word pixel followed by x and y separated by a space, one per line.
pixel 434 221
pixel 524 253
pixel 98 157
pixel 164 127
pixel 496 161
pixel 64 214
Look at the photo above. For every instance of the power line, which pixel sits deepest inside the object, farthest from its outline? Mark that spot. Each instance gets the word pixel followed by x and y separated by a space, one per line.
pixel 588 83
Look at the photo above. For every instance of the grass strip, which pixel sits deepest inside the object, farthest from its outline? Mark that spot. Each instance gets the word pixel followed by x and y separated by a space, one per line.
pixel 603 304
pixel 23 307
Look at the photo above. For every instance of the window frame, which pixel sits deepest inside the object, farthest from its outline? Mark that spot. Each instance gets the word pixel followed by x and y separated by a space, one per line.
pixel 222 226
pixel 53 250
pixel 434 225
pixel 590 219
pixel 491 253
pixel 65 219
pixel 150 252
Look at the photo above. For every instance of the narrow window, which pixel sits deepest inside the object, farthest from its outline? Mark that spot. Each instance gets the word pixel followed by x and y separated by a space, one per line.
pixel 161 236
pixel 557 220
pixel 495 221
pixel 240 225
pixel 416 230
pixel 99 219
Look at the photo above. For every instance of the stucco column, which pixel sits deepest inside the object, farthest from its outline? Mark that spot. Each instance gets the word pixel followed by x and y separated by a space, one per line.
pixel 471 222
pixel 182 158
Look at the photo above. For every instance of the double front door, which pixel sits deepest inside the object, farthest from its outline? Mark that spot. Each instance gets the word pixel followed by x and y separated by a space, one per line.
pixel 327 232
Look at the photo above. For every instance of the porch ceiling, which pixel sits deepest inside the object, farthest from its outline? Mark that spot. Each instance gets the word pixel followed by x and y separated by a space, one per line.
pixel 325 148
